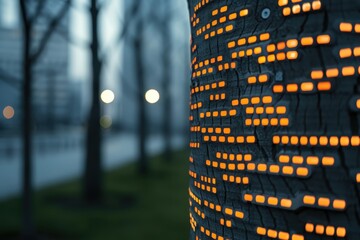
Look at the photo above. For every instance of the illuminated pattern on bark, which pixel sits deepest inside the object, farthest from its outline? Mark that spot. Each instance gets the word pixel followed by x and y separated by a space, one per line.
pixel 274 112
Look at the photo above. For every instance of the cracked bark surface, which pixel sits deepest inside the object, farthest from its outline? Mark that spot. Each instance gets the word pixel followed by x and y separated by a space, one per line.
pixel 274 117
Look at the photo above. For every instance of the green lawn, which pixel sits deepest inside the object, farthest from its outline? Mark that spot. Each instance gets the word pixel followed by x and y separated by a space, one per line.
pixel 150 207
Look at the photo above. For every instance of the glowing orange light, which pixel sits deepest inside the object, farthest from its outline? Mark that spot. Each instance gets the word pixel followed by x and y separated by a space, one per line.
pixel 8 112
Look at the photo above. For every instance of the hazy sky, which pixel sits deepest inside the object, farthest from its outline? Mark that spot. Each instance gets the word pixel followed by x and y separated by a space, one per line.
pixel 79 31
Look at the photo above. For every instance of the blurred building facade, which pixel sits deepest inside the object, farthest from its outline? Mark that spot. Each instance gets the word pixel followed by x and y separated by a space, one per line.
pixel 53 92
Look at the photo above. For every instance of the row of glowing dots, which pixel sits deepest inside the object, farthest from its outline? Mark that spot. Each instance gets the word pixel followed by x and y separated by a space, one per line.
pixel 202 72
pixel 198 212
pixel 272 233
pixel 217 130
pixel 252 100
pixel 208 87
pixel 327 230
pixel 194 197
pixel 193 222
pixel 306 7
pixel 192 174
pixel 231 156
pixel 324 202
pixel 315 140
pixel 249 40
pixel 348 52
pixel 235 179
pixel 304 87
pixel 281 56
pixel 230 27
pixel 230 139
pixel 248 52
pixel 216 21
pixel 334 72
pixel 270 200
pixel 310 160
pixel 194 145
pixel 205 187
pixel 217 207
pixel 200 4
pixel 260 167
pixel 207 62
pixel 195 105
pixel 221 67
pixel 291 43
pixel 195 129
pixel 267 122
pixel 349 27
pixel 219 31
pixel 267 110
pixel 262 78
pixel 226 66
pixel 338 204
pixel 275 169
pixel 222 113
pixel 211 234
pixel 216 97
pixel 209 180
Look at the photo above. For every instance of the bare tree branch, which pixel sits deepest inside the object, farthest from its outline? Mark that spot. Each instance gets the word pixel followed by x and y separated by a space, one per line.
pixel 62 31
pixel 50 29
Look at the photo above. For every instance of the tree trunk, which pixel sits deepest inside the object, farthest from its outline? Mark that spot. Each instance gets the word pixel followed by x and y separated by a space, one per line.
pixel 28 229
pixel 167 103
pixel 275 121
pixel 140 77
pixel 93 189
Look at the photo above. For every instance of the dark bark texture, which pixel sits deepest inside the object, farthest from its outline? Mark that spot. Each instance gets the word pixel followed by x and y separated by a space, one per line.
pixel 28 229
pixel 274 118
pixel 93 187
pixel 143 166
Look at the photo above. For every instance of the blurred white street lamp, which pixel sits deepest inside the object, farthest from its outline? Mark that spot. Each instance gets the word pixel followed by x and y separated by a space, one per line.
pixel 152 96
pixel 107 96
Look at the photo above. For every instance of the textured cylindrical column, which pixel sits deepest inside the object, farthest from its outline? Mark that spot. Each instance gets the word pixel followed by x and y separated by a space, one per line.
pixel 275 102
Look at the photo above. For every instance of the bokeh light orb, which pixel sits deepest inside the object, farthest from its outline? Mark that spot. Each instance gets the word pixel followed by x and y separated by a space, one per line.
pixel 107 96
pixel 152 96
pixel 105 121
pixel 8 112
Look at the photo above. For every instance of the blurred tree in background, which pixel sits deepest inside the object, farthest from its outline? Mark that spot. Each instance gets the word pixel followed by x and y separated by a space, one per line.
pixel 30 12
pixel 68 129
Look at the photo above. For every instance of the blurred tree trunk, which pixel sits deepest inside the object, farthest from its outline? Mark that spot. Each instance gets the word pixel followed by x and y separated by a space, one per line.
pixel 28 230
pixel 140 77
pixel 166 85
pixel 30 58
pixel 93 189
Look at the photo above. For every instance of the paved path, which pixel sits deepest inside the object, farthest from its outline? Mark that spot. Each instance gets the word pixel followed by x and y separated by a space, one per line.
pixel 56 160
